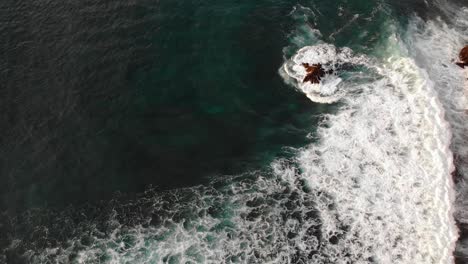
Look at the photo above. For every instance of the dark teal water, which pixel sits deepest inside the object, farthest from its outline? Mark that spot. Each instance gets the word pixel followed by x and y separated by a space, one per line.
pixel 103 100
pixel 112 96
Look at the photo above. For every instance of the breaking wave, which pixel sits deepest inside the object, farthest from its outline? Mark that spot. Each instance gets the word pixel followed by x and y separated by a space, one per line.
pixel 385 160
pixel 435 45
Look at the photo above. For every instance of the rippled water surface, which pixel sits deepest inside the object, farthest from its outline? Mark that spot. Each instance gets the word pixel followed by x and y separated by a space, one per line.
pixel 180 132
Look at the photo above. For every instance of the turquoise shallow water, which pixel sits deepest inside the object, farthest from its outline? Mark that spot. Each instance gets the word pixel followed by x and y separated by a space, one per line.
pixel 131 127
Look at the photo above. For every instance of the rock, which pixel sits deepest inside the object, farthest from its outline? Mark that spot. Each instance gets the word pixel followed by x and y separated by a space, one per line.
pixel 315 73
pixel 464 54
pixel 463 57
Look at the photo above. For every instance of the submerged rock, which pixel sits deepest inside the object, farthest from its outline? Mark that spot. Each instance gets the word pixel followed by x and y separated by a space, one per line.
pixel 463 57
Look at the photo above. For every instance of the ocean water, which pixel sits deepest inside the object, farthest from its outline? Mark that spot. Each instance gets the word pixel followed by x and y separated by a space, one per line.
pixel 180 132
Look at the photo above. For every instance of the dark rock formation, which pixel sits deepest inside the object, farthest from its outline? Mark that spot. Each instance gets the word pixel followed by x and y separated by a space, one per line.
pixel 315 73
pixel 463 57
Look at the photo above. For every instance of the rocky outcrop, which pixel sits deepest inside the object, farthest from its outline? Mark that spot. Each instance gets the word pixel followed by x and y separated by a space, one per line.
pixel 463 57
pixel 315 73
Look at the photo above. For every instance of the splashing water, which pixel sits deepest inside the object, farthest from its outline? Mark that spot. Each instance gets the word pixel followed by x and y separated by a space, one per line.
pixel 331 89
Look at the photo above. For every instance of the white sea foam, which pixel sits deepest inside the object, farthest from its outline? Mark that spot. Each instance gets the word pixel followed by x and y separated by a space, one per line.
pixel 435 45
pixel 331 89
pixel 385 159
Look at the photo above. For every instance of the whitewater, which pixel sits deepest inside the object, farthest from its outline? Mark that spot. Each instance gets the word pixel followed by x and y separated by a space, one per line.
pixel 396 136
pixel 375 186
pixel 384 158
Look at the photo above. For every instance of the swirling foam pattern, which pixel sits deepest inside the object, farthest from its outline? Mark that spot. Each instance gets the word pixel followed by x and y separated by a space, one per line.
pixel 385 160
pixel 330 89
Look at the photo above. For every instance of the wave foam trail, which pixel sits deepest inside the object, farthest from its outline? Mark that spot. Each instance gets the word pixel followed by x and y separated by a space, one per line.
pixel 384 158
pixel 435 44
pixel 386 163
